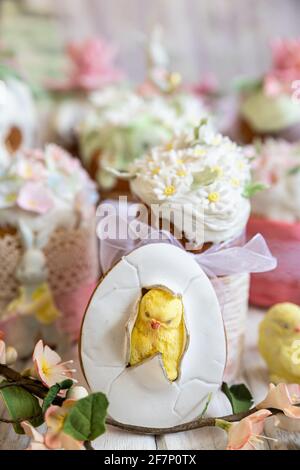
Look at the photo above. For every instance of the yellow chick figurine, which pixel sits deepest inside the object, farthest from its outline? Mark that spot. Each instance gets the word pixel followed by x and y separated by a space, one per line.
pixel 279 342
pixel 159 328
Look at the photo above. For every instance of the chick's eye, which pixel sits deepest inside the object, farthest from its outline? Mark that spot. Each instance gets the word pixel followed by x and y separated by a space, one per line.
pixel 168 322
pixel 147 314
pixel 285 325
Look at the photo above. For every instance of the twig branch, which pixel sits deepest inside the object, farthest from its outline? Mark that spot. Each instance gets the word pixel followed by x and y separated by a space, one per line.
pixel 33 386
pixel 19 420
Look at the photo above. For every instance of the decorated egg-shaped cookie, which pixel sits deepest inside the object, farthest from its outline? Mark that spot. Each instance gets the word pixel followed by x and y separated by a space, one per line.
pixel 153 338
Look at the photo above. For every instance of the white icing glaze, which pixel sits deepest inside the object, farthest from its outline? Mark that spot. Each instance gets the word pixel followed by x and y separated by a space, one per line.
pixel 148 397
pixel 125 124
pixel 277 165
pixel 16 110
pixel 208 174
pixel 270 113
pixel 43 190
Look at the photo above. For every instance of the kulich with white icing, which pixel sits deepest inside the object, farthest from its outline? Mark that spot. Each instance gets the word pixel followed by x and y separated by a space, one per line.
pixel 207 172
pixel 41 191
pixel 125 124
pixel 277 164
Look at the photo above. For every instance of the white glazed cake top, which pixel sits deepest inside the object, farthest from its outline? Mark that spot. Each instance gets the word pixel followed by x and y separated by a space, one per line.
pixel 277 164
pixel 43 190
pixel 125 124
pixel 208 171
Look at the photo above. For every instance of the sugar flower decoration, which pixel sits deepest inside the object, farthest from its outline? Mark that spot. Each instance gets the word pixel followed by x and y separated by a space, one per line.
pixel 285 66
pixel 283 397
pixel 245 434
pixel 36 198
pixel 91 66
pixel 8 354
pixel 39 181
pixel 56 438
pixel 37 439
pixel 49 367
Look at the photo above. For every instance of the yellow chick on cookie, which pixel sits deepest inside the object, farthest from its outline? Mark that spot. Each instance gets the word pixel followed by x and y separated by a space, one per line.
pixel 159 328
pixel 279 342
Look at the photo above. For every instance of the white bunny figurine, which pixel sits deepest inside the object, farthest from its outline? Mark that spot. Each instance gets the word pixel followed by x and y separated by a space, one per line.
pixel 35 296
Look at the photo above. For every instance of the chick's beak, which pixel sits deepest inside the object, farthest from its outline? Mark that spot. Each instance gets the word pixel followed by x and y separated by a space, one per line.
pixel 297 329
pixel 155 324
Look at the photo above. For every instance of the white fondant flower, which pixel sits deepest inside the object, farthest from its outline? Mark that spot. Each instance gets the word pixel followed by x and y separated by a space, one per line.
pixel 48 365
pixel 217 198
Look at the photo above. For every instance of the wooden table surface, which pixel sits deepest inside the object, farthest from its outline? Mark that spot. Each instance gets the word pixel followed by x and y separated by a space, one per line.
pixel 255 375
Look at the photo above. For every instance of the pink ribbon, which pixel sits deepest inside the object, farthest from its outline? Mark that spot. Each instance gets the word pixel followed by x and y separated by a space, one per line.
pixel 223 259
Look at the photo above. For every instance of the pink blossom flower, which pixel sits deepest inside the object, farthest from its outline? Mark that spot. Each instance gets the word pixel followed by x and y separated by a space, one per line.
pixel 283 397
pixel 34 197
pixel 55 437
pixel 48 365
pixel 37 439
pixel 245 434
pixel 92 65
pixel 285 66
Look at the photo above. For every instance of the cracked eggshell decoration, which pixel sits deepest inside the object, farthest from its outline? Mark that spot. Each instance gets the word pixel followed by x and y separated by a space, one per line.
pixel 142 394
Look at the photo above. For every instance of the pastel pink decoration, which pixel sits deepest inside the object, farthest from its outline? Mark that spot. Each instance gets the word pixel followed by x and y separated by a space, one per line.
pixel 92 66
pixel 245 435
pixel 285 66
pixel 55 437
pixel 283 397
pixel 34 197
pixel 37 439
pixel 283 283
pixel 48 365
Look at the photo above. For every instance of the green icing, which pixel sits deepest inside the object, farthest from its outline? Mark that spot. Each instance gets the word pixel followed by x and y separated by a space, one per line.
pixel 270 114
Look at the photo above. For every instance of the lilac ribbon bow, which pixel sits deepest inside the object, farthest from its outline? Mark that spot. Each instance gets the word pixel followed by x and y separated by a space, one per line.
pixel 223 259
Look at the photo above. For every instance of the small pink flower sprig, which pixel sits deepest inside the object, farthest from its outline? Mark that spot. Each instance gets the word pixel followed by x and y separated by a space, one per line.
pixel 46 393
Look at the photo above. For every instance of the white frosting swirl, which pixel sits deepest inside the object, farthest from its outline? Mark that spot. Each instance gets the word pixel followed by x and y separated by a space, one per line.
pixel 206 176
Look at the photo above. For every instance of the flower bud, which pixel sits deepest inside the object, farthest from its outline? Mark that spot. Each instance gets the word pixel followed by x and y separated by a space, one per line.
pixel 11 355
pixel 77 392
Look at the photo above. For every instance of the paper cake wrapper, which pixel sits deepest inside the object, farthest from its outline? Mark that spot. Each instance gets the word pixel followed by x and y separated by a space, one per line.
pixel 72 261
pixel 282 284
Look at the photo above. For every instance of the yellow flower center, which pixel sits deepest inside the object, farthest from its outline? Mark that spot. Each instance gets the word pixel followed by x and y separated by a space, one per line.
pixel 200 152
pixel 46 369
pixel 169 146
pixel 10 198
pixel 180 161
pixel 213 197
pixel 241 165
pixel 218 170
pixel 181 173
pixel 169 190
pixel 156 170
pixel 235 182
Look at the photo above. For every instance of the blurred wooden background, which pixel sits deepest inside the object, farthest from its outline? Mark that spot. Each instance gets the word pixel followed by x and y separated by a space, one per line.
pixel 224 37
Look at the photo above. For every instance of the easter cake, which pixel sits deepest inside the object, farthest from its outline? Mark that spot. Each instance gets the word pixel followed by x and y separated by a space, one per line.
pixel 195 192
pixel 269 107
pixel 47 209
pixel 276 214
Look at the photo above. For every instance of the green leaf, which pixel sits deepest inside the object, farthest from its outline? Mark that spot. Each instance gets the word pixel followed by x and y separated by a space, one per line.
pixel 204 177
pixel 208 400
pixel 239 397
pixel 86 419
pixel 294 171
pixel 21 405
pixel 253 188
pixel 247 84
pixel 53 391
